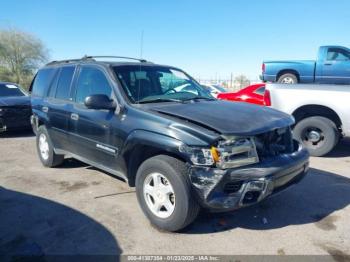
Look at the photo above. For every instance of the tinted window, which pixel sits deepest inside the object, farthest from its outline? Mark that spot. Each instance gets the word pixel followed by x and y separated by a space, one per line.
pixel 64 82
pixel 176 82
pixel 42 81
pixel 260 90
pixel 91 81
pixel 144 84
pixel 52 90
pixel 338 54
pixel 10 90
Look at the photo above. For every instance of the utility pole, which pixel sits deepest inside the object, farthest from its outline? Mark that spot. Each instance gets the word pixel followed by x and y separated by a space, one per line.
pixel 231 87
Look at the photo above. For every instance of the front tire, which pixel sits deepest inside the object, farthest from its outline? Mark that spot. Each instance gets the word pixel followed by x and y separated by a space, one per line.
pixel 288 79
pixel 45 149
pixel 318 134
pixel 164 193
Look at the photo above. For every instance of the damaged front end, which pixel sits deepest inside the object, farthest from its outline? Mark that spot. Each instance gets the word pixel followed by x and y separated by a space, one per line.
pixel 242 171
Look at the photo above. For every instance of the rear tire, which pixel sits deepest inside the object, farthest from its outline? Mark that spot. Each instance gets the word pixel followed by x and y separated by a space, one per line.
pixel 171 171
pixel 288 79
pixel 45 149
pixel 318 134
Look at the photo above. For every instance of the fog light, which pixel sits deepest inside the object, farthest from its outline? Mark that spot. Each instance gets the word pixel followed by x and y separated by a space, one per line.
pixel 251 197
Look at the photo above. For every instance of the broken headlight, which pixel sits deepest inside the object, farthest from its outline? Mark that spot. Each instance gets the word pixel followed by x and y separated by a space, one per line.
pixel 199 156
pixel 235 152
pixel 230 152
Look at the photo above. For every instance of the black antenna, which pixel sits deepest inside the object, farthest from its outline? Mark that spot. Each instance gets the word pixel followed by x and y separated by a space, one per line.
pixel 141 45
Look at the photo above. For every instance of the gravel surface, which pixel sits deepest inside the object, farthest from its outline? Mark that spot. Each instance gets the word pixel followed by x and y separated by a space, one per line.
pixel 77 209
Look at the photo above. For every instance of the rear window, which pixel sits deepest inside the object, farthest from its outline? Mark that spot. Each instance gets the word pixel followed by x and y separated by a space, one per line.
pixel 64 82
pixel 42 81
pixel 10 90
pixel 260 90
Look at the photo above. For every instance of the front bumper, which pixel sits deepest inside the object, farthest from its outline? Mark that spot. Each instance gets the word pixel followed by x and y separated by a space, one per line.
pixel 223 190
pixel 267 78
pixel 14 119
pixel 3 127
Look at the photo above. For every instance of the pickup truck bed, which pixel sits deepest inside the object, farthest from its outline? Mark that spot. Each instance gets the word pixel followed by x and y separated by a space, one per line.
pixel 274 72
pixel 321 112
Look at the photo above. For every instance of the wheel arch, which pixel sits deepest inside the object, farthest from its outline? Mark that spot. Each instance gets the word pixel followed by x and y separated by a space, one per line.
pixel 288 71
pixel 141 145
pixel 316 110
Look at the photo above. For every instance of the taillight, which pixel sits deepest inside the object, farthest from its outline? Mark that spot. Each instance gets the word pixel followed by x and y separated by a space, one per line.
pixel 263 67
pixel 267 98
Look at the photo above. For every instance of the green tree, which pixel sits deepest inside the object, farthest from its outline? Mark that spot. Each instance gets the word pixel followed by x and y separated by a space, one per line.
pixel 21 54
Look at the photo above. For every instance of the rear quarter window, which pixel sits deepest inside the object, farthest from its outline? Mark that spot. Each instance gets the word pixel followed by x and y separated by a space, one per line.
pixel 42 81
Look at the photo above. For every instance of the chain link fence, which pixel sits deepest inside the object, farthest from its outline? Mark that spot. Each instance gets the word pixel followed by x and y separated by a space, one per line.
pixel 232 85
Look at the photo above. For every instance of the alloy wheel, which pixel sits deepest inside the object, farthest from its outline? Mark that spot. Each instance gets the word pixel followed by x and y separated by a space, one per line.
pixel 159 195
pixel 43 146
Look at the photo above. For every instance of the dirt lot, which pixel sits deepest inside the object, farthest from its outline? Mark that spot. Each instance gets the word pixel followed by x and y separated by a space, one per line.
pixel 77 209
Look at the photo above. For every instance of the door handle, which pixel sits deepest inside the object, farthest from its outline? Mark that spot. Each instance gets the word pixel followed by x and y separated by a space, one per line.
pixel 329 63
pixel 74 116
pixel 45 109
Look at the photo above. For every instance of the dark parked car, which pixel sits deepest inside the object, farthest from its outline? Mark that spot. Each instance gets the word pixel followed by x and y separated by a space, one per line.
pixel 15 109
pixel 177 147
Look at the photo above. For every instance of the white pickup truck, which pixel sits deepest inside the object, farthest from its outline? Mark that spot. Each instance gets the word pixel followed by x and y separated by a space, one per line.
pixel 321 112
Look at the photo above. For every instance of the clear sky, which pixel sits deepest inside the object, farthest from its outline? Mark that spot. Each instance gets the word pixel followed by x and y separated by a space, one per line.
pixel 206 38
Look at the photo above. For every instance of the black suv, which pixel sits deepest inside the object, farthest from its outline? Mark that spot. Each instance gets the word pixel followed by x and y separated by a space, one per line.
pixel 159 130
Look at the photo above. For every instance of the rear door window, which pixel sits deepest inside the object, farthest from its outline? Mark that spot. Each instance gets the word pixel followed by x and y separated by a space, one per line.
pixel 52 90
pixel 65 82
pixel 42 81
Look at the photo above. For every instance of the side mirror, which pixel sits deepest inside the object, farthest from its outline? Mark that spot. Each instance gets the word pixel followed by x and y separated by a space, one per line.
pixel 100 102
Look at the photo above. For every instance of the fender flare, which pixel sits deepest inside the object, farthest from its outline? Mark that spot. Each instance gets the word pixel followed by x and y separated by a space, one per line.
pixel 152 139
pixel 138 139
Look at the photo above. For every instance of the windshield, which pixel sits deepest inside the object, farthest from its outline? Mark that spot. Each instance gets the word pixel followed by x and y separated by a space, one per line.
pixel 10 90
pixel 144 84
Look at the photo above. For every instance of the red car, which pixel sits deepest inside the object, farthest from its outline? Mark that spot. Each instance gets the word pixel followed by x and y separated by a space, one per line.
pixel 251 94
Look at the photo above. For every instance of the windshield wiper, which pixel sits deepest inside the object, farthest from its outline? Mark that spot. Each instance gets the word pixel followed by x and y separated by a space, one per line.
pixel 199 97
pixel 159 100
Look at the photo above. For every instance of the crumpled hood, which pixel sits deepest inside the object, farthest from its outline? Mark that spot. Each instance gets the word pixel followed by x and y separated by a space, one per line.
pixel 228 118
pixel 15 101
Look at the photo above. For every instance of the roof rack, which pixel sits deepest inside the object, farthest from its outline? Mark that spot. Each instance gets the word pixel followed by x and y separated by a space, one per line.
pixel 64 61
pixel 84 58
pixel 119 57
